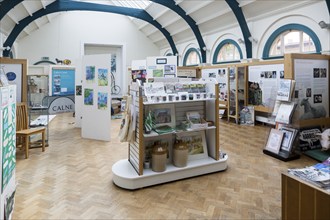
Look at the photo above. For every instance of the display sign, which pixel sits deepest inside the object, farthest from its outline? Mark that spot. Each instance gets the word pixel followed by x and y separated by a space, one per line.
pixel 62 81
pixel 61 105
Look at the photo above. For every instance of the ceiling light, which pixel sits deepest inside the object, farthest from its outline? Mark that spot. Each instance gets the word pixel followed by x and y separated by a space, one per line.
pixel 253 40
pixel 241 41
pixel 324 25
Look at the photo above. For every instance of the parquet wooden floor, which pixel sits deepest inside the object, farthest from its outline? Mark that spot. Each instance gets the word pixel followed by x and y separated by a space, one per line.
pixel 72 179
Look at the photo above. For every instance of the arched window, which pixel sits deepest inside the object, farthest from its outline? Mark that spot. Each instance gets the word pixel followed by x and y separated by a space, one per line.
pixel 291 38
pixel 192 57
pixel 227 51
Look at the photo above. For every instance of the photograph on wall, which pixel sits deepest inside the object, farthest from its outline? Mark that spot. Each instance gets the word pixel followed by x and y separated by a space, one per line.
pixel 102 100
pixel 170 70
pixel 78 90
pixel 140 75
pixel 90 74
pixel 158 73
pixel 312 88
pixel 62 81
pixel 88 96
pixel 102 77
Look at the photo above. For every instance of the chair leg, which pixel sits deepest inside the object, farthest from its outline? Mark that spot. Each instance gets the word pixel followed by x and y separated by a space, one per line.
pixel 43 141
pixel 27 139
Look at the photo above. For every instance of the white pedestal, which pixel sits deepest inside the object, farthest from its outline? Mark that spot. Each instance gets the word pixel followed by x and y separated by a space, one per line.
pixel 125 176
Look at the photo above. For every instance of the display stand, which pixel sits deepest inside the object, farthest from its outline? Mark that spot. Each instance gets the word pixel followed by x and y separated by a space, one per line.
pixel 283 155
pixel 133 173
pixel 7 149
pixel 237 88
pixel 38 103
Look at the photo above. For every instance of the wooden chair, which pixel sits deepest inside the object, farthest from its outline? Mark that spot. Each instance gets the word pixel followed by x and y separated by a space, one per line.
pixel 23 132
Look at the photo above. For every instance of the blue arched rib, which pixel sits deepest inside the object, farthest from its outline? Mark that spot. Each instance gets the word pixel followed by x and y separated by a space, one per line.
pixel 67 5
pixel 176 8
pixel 234 5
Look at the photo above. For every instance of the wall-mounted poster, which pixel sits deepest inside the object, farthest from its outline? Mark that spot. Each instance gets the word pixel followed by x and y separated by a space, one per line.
pixel 88 96
pixel 312 88
pixel 78 90
pixel 221 75
pixel 161 66
pixel 102 100
pixel 62 81
pixel 103 76
pixel 90 74
pixel 263 83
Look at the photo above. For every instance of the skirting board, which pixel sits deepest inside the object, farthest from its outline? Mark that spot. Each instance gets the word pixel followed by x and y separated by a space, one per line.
pixel 125 176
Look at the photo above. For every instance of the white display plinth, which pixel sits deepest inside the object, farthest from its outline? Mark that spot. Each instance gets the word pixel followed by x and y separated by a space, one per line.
pixel 125 176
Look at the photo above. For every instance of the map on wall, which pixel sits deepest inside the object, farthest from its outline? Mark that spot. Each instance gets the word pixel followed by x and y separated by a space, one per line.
pixel 8 143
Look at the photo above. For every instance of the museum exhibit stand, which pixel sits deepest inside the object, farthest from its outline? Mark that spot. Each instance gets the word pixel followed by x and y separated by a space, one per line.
pixel 7 150
pixel 169 112
pixel 303 200
pixel 38 102
pixel 236 91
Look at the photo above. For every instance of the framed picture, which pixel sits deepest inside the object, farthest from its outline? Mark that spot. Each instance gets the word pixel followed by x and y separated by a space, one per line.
pixel 163 115
pixel 196 144
pixel 274 141
pixel 288 138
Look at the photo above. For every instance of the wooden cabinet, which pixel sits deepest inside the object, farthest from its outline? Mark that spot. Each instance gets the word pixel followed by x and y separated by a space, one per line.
pixel 237 87
pixel 302 200
pixel 133 173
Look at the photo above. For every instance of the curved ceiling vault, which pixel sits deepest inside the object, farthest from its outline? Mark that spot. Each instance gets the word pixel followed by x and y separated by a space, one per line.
pixel 67 5
pixel 198 17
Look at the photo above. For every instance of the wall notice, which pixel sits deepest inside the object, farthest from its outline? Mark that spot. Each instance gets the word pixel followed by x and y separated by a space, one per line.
pixel 312 88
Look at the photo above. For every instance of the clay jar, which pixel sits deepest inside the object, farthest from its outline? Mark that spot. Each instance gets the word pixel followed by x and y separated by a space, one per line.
pixel 159 157
pixel 180 154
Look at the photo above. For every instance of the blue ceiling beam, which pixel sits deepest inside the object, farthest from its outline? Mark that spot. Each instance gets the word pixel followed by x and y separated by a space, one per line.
pixel 176 8
pixel 7 5
pixel 328 4
pixel 234 5
pixel 67 5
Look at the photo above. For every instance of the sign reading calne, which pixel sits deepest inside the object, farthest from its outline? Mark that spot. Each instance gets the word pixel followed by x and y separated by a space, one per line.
pixel 61 105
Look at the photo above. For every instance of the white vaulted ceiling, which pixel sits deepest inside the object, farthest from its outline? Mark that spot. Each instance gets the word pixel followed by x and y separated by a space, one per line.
pixel 209 16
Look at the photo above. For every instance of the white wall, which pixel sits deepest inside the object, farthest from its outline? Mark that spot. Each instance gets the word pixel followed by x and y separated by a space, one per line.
pixel 261 27
pixel 62 37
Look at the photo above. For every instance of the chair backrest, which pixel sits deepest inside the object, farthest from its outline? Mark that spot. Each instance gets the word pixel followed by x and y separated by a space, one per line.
pixel 22 120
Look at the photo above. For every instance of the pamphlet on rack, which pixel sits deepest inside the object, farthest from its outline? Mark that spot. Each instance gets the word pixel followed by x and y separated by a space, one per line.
pixel 285 112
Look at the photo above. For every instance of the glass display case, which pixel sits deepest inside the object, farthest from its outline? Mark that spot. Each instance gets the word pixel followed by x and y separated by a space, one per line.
pixel 38 101
pixel 237 91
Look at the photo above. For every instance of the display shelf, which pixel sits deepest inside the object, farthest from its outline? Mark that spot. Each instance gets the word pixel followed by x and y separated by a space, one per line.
pixel 38 102
pixel 134 173
pixel 237 88
pixel 125 176
pixel 179 101
pixel 155 134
